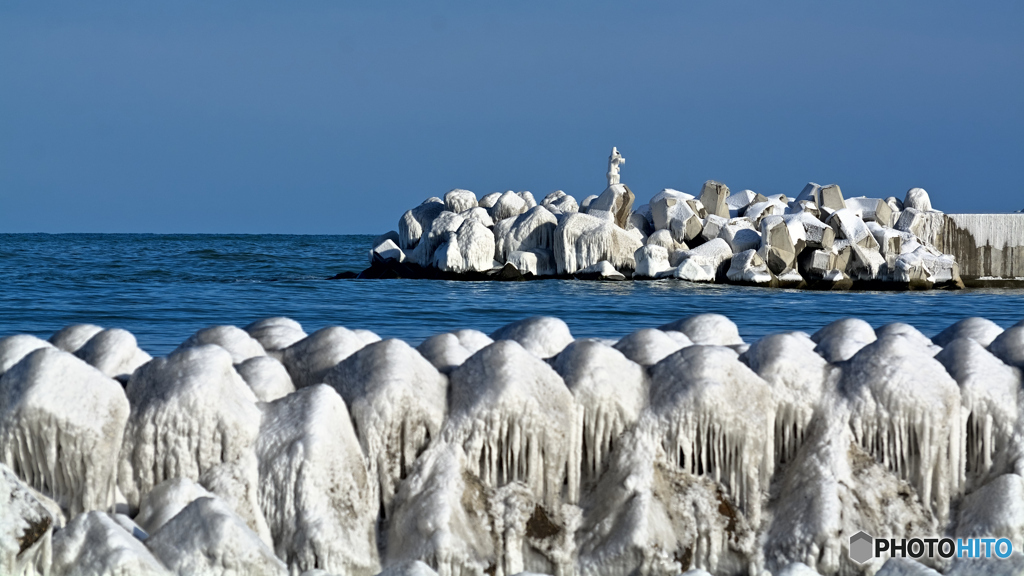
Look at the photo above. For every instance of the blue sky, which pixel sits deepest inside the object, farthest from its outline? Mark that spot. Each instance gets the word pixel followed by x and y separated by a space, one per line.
pixel 335 117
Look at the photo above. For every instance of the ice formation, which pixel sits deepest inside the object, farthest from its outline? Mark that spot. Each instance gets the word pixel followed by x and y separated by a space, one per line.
pixel 71 338
pixel 193 416
pixel 314 489
pixel 114 352
pixel 582 240
pixel 610 391
pixel 672 450
pixel 543 336
pixel 207 537
pixel 309 359
pixel 267 377
pixel 276 333
pixel 236 341
pixel 94 543
pixel 61 424
pixel 398 402
pixel 449 350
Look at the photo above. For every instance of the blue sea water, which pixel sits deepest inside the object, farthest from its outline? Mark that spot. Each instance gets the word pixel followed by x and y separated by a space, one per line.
pixel 163 288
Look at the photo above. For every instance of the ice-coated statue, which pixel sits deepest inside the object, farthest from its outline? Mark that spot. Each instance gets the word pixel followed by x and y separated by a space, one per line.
pixel 613 166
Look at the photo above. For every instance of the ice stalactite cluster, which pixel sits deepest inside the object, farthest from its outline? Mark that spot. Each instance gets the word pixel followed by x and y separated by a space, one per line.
pixel 265 450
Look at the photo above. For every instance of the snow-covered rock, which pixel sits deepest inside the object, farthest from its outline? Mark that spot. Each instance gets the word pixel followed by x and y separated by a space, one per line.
pixel 981 330
pixel 841 339
pixel 236 341
pixel 61 425
pixel 398 401
pixel 95 544
pixel 648 346
pixel 276 333
pixel 707 329
pixel 309 359
pixel 14 348
pixel 267 377
pixel 314 489
pixel 449 350
pixel 71 338
pixel 208 538
pixel 542 336
pixel 582 240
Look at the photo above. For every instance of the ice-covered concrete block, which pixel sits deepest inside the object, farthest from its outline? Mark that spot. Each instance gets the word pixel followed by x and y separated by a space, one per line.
pixel 414 223
pixel 585 204
pixel 871 210
pixel 713 226
pixel 995 510
pixel 664 239
pixel 714 196
pixel 165 500
pixel 543 336
pixel 610 391
pixel 276 333
pixel 479 215
pixel 208 538
pixel 831 197
pixel 114 352
pixel 816 234
pixel 865 263
pixel 740 235
pixel 440 231
pixel 26 526
pixel 458 200
pixel 267 377
pixel 648 346
pixel 386 251
pixel 582 240
pixel 747 267
pixel 508 205
pixel 848 226
pixel 1009 345
pixel 236 341
pixel 738 201
pixel 398 401
pixel 777 249
pixel 314 488
pixel 981 330
pixel 641 223
pixel 707 329
pixel 602 270
pixel 918 199
pixel 61 427
pixel 448 351
pixel 841 339
pixel 309 359
pixel 926 226
pixel 703 263
pixel 71 338
pixel 617 199
pixel 759 210
pixel 651 260
pixel 559 202
pixel 94 543
pixel 670 211
pixel 533 229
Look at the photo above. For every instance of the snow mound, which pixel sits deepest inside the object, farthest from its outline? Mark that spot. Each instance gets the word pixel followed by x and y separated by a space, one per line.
pixel 398 402
pixel 788 363
pixel 71 338
pixel 193 416
pixel 14 348
pixel 236 341
pixel 610 391
pixel 114 352
pixel 514 417
pixel 61 423
pixel 715 418
pixel 94 544
pixel 268 378
pixel 582 240
pixel 449 350
pixel 843 338
pixel 25 528
pixel 707 329
pixel 542 336
pixel 314 489
pixel 982 330
pixel 165 500
pixel 276 333
pixel 208 538
pixel 906 414
pixel 991 395
pixel 996 510
pixel 1009 346
pixel 309 359
pixel 648 346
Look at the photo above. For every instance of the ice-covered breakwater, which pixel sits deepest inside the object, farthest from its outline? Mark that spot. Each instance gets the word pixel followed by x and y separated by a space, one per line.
pixel 267 450
pixel 819 239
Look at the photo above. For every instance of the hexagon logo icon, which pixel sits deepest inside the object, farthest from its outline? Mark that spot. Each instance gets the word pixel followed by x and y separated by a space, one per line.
pixel 861 545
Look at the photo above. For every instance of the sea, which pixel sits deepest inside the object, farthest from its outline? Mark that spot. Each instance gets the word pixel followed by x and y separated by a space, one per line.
pixel 165 287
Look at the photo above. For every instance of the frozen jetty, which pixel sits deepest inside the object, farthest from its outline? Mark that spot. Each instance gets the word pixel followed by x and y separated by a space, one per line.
pixel 818 239
pixel 682 448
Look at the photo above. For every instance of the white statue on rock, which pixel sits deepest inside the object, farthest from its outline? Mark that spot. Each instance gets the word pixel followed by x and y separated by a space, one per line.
pixel 613 166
